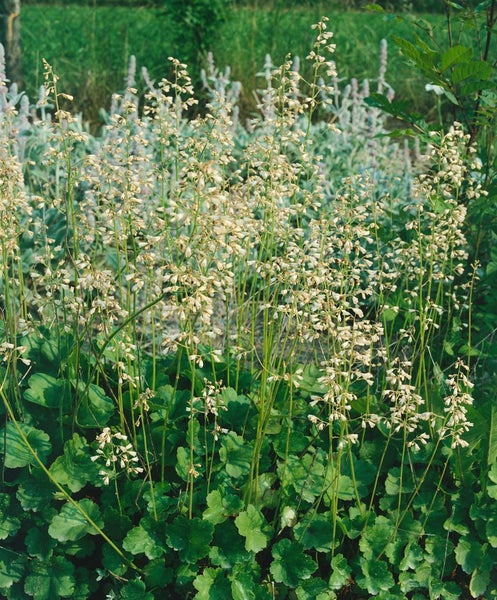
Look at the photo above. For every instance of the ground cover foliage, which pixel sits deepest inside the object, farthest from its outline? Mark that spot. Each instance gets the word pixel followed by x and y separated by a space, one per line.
pixel 240 360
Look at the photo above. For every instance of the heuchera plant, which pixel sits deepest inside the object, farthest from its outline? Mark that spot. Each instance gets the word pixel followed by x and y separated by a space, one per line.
pixel 228 372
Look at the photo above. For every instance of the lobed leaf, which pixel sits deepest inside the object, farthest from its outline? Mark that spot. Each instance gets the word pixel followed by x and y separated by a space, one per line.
pixel 191 538
pixel 74 468
pixel 17 452
pixel 340 572
pixel 46 390
pixel 141 540
pixel 376 576
pixel 135 590
pixel 50 580
pixel 291 565
pixel 252 525
pixel 71 524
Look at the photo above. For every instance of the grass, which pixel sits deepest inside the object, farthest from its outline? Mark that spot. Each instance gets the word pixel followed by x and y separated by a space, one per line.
pixel 90 48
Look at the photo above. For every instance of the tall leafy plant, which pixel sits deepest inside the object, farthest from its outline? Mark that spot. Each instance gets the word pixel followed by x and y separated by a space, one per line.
pixel 460 70
pixel 198 22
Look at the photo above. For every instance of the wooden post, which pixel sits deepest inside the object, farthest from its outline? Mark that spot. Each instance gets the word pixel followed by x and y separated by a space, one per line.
pixel 11 39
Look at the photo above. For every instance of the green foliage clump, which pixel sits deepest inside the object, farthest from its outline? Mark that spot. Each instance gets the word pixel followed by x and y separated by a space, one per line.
pixel 197 23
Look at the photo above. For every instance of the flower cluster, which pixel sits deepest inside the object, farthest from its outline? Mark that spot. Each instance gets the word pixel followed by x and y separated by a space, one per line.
pixel 116 454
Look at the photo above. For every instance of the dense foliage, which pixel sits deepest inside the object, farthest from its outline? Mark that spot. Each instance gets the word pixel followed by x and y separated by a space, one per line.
pixel 245 360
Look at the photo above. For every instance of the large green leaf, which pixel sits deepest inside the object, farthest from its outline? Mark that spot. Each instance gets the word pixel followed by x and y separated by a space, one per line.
pixel 315 531
pixel 291 565
pixel 35 490
pixel 74 468
pixel 455 54
pixel 39 544
pixel 95 408
pixel 212 584
pixel 190 538
pixel 9 523
pixel 479 581
pixel 476 69
pixel 312 589
pixel 305 474
pixel 16 447
pixel 340 572
pixel 376 576
pixel 143 540
pixel 469 554
pixel 252 525
pixel 46 390
pixel 51 579
pixel 236 454
pixel 71 523
pixel 135 590
pixel 220 505
pixel 376 538
pixel 491 527
pixel 228 548
pixel 242 584
pixel 156 573
pixel 11 567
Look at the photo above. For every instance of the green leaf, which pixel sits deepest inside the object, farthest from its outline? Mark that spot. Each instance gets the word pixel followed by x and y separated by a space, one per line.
pixel 340 572
pixel 468 554
pixel 315 531
pixel 476 69
pixel 9 524
pixel 183 463
pixel 376 537
pixel 212 585
pixel 291 565
pixel 311 589
pixel 236 454
pixel 39 544
pixel 45 390
pixel 141 541
pixel 444 590
pixel 228 546
pixel 11 568
pixel 479 582
pixel 395 484
pixel 35 490
pixel 16 450
pixel 423 57
pixel 95 408
pixel 242 585
pixel 156 573
pixel 135 590
pixel 50 580
pixel 113 562
pixel 455 54
pixel 491 528
pixel 220 506
pixel 305 474
pixel 374 8
pixel 190 538
pixel 252 525
pixel 413 556
pixel 376 576
pixel 71 524
pixel 74 468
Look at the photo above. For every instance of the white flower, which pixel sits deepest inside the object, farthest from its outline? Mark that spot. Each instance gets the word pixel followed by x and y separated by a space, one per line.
pixel 431 87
